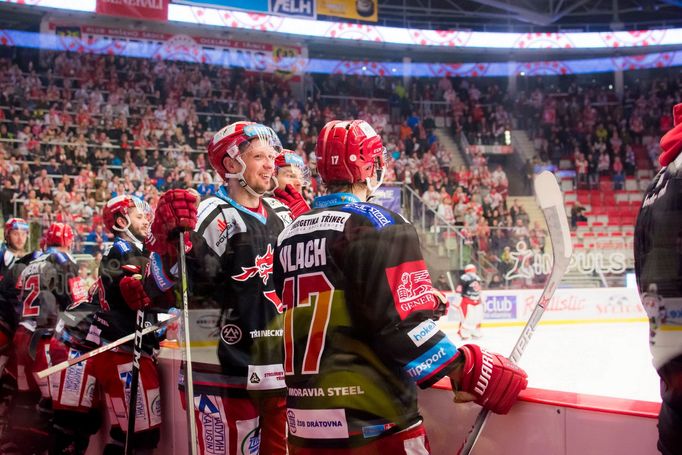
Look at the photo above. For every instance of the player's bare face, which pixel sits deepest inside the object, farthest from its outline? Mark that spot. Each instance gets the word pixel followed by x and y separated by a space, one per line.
pixel 17 239
pixel 290 175
pixel 139 224
pixel 260 166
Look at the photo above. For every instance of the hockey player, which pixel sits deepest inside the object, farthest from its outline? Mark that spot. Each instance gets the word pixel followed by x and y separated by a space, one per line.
pixel 11 251
pixel 358 327
pixel 16 235
pixel 658 267
pixel 48 285
pixel 472 310
pixel 291 176
pixel 128 218
pixel 239 400
pixel 291 170
pixel 13 260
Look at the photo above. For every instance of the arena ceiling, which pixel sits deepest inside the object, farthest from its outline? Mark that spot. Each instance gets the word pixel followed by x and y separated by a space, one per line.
pixel 531 15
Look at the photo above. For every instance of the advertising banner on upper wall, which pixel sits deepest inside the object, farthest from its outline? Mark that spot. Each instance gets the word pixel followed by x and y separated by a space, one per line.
pixel 137 9
pixel 363 10
pixel 250 55
pixel 260 6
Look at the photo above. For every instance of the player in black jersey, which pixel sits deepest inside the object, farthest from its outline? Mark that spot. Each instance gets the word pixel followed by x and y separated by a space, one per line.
pixel 11 252
pixel 658 266
pixel 48 285
pixel 107 317
pixel 239 394
pixel 13 260
pixel 359 332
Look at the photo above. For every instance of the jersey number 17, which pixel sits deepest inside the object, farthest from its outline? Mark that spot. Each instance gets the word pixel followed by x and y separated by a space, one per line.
pixel 310 289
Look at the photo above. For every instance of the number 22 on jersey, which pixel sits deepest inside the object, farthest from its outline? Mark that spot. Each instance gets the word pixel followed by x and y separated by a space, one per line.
pixel 306 291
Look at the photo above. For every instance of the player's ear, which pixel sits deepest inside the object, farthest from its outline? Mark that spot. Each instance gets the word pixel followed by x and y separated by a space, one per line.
pixel 231 165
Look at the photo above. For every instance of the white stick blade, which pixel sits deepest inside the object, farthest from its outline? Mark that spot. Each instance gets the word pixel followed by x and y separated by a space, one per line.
pixel 549 198
pixel 547 191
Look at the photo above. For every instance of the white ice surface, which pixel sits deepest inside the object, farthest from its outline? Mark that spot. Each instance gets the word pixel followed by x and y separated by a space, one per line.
pixel 610 359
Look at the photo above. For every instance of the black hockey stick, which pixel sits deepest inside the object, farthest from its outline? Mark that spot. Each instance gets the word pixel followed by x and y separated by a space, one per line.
pixel 134 381
pixel 551 202
pixel 186 351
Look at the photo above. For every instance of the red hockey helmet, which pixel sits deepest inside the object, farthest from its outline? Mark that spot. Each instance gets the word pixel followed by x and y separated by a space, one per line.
pixel 121 205
pixel 16 224
pixel 289 158
pixel 59 235
pixel 349 152
pixel 230 140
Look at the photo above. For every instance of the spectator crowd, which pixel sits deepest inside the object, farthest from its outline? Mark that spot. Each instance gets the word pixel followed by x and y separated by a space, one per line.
pixel 78 129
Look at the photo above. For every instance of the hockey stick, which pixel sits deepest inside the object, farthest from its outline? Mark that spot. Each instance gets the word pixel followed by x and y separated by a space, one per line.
pixel 550 200
pixel 88 355
pixel 134 381
pixel 186 352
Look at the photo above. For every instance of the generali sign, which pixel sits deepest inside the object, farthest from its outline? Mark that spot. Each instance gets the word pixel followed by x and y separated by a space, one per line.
pixel 137 9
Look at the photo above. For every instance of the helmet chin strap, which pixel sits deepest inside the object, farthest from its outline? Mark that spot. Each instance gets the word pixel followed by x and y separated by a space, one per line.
pixel 371 189
pixel 242 181
pixel 128 233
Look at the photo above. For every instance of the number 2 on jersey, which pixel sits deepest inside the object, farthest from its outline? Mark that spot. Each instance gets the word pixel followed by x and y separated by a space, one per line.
pixel 32 284
pixel 299 294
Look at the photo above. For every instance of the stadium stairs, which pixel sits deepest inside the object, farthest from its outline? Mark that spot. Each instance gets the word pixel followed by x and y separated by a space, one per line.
pixel 456 156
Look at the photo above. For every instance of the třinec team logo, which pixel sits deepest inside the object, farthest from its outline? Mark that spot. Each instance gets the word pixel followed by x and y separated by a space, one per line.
pixel 262 267
pixel 231 334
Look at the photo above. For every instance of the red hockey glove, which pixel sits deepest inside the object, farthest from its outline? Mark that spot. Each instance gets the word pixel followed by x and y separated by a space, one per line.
pixel 176 212
pixel 292 199
pixel 133 292
pixel 493 379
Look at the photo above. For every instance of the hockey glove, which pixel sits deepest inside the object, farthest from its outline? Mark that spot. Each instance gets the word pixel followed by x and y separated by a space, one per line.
pixel 492 379
pixel 175 213
pixel 133 292
pixel 292 199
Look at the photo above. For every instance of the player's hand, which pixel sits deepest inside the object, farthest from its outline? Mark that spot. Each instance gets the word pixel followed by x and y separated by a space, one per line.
pixel 489 379
pixel 442 304
pixel 292 199
pixel 133 292
pixel 175 213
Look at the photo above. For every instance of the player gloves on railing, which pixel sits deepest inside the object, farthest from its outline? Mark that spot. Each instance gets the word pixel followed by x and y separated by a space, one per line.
pixel 494 380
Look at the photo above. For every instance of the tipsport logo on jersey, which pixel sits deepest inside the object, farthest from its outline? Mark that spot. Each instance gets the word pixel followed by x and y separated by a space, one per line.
pixel 411 287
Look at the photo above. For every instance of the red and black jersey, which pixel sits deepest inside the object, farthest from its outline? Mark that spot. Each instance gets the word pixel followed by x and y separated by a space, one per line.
pixel 658 262
pixel 359 333
pixel 48 285
pixel 9 293
pixel 114 318
pixel 230 285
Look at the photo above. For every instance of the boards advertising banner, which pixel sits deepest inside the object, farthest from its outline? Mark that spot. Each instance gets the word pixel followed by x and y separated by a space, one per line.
pixel 137 9
pixel 363 10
